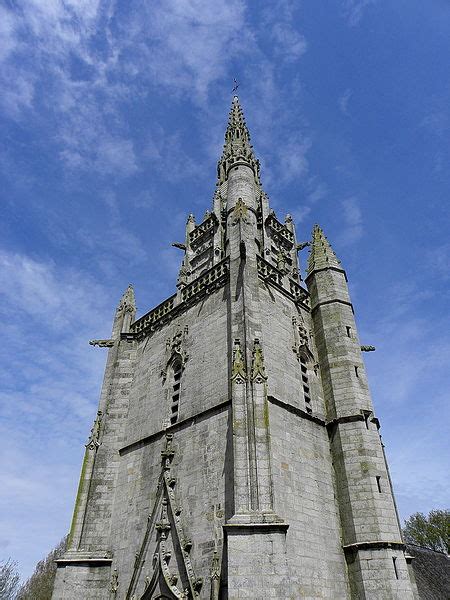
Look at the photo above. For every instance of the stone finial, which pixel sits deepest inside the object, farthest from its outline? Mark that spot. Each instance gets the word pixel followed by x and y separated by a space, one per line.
pixel 237 145
pixel 322 254
pixel 258 369
pixel 238 371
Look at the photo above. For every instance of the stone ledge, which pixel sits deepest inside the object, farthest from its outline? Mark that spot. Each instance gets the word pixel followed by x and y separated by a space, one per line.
pixel 375 545
pixel 85 558
pixel 255 527
pixel 297 411
pixel 334 301
pixel 326 269
pixel 175 427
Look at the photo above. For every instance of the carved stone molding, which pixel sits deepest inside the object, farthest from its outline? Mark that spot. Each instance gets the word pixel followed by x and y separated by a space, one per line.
pixel 114 585
pixel 102 343
pixel 240 212
pixel 175 348
pixel 301 345
pixel 93 441
pixel 168 525
pixel 238 370
pixel 258 374
pixel 192 293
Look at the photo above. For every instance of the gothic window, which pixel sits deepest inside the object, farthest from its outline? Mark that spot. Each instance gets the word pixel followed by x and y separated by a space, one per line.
pixel 177 368
pixel 305 382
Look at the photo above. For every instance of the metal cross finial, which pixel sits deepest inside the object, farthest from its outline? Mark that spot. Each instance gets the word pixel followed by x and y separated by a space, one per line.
pixel 236 85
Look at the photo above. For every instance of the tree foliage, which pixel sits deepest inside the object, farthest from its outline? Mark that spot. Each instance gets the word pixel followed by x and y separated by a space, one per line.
pixel 9 580
pixel 40 584
pixel 430 532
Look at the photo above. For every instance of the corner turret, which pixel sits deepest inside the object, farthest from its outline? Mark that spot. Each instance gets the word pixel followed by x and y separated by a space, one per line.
pixel 370 528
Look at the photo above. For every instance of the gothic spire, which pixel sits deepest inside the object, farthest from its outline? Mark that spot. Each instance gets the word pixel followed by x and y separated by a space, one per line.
pixel 322 254
pixel 237 147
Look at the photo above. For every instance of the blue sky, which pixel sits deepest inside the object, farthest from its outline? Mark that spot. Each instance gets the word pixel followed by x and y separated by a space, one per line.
pixel 112 117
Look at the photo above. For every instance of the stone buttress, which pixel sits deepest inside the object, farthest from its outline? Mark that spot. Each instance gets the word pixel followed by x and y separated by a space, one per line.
pixel 235 452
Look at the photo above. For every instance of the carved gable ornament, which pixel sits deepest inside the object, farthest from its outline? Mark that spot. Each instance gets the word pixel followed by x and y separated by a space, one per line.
pixel 171 574
pixel 258 369
pixel 301 340
pixel 175 348
pixel 238 371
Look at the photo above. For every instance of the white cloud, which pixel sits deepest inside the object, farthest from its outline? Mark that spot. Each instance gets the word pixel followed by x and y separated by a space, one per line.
pixel 50 384
pixel 353 222
pixel 315 192
pixel 354 10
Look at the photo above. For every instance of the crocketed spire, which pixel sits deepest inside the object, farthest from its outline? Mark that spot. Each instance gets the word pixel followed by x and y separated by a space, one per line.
pixel 322 254
pixel 237 147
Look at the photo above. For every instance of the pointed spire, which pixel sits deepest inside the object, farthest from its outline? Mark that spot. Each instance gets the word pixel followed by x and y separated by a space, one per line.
pixel 322 254
pixel 237 147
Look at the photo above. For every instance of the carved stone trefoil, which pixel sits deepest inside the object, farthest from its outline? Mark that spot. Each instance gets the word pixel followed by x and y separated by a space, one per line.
pixel 238 371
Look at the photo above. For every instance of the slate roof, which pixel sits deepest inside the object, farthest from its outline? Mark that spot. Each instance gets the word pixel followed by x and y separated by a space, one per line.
pixel 432 573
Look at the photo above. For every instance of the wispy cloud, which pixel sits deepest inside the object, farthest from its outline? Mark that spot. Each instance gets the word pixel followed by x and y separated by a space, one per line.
pixel 48 315
pixel 353 222
pixel 411 362
pixel 316 191
pixel 344 100
pixel 354 10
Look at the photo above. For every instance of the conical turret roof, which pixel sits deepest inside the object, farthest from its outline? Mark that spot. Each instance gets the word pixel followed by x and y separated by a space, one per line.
pixel 322 254
pixel 237 147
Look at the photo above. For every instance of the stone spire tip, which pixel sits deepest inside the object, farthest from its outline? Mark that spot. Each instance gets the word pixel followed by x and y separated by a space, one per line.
pixel 237 147
pixel 322 255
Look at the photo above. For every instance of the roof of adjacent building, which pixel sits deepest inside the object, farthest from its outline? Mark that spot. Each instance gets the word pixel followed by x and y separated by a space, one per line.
pixel 432 573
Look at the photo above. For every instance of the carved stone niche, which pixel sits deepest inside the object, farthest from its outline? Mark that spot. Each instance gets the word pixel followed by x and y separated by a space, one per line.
pixel 175 348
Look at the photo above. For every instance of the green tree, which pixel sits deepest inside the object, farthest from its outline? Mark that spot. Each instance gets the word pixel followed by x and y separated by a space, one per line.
pixel 9 580
pixel 40 584
pixel 430 532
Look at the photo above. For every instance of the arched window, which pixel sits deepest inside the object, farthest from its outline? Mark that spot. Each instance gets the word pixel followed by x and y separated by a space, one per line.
pixel 177 369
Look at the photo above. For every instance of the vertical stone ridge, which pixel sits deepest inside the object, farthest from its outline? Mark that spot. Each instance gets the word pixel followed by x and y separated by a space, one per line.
pixel 237 147
pixel 322 254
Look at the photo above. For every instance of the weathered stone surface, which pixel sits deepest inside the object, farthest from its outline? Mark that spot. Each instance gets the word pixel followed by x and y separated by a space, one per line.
pixel 235 452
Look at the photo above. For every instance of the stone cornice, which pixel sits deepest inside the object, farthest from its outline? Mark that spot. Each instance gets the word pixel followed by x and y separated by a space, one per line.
pixel 272 276
pixel 204 229
pixel 208 282
pixel 280 230
pixel 375 545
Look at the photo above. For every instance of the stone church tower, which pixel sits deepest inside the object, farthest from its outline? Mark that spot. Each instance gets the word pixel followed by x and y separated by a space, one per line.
pixel 236 452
